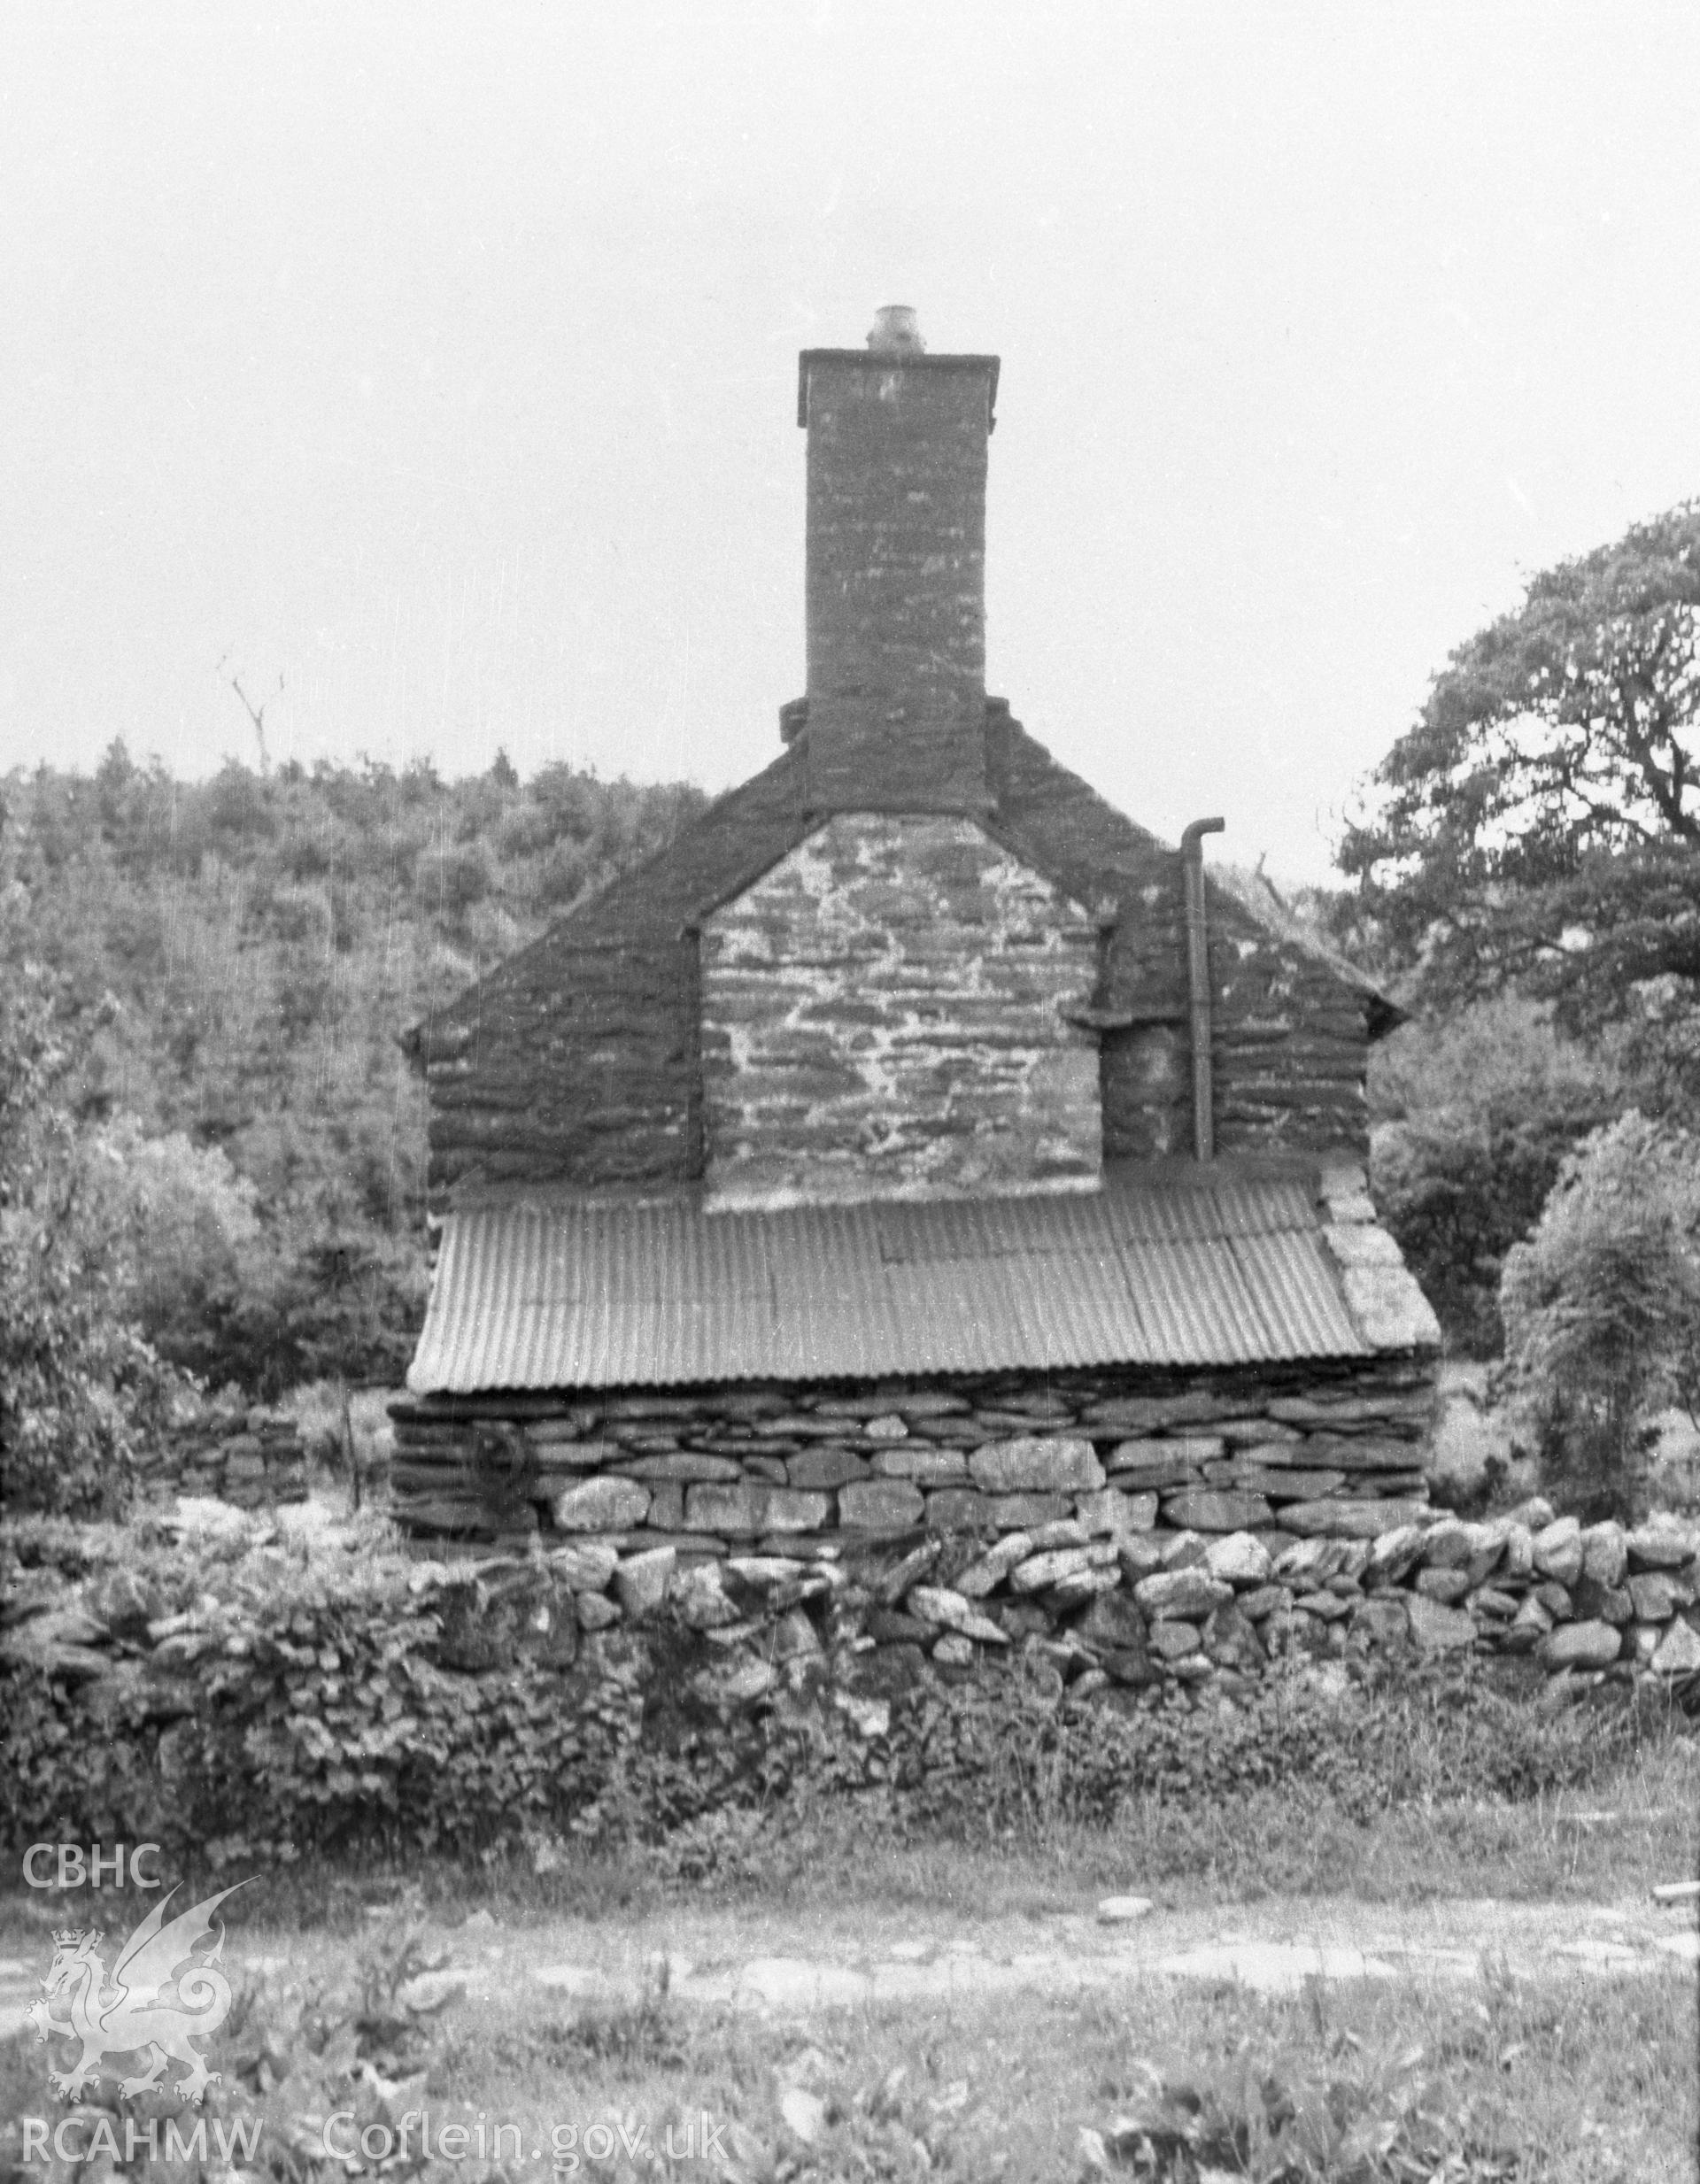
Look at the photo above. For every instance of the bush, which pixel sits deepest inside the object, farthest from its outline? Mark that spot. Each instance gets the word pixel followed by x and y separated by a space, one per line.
pixel 985 1755
pixel 1602 1310
pixel 364 1703
pixel 1472 1119
pixel 79 1383
pixel 229 963
pixel 183 1221
pixel 1457 1204
pixel 333 1301
pixel 451 879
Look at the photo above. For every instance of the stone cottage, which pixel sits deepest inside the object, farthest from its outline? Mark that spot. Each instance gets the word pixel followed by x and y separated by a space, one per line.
pixel 916 1146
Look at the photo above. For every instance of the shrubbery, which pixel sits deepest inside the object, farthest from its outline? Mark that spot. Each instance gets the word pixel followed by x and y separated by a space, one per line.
pixel 308 1708
pixel 1602 1311
pixel 78 1382
pixel 1473 1118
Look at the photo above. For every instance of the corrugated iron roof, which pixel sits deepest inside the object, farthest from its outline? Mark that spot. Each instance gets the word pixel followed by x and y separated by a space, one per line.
pixel 1229 1271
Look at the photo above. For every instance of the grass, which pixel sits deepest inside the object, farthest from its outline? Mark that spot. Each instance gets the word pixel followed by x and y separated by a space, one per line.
pixel 1574 2081
pixel 1590 2081
pixel 1627 1829
pixel 1567 2078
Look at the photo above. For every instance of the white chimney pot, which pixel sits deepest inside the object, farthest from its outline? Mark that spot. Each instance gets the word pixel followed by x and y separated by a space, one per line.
pixel 897 332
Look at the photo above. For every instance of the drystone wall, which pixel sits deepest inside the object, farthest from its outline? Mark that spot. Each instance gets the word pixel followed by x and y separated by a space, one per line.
pixel 586 1690
pixel 1142 1536
pixel 1138 1618
pixel 1307 1450
pixel 253 1459
pixel 1140 1622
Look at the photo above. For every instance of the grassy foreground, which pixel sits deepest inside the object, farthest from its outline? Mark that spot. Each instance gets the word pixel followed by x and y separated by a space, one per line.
pixel 1574 2080
pixel 1565 2076
pixel 1589 2079
pixel 1622 1832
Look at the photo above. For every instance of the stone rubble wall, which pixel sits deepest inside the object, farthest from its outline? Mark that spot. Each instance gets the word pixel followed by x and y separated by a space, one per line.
pixel 1312 1450
pixel 1140 1617
pixel 1137 1622
pixel 1290 1028
pixel 1190 1535
pixel 253 1459
pixel 885 1013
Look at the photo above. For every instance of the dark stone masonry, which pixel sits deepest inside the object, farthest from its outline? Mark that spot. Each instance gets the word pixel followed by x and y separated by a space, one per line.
pixel 252 1457
pixel 1132 1543
pixel 1136 1535
pixel 1333 1452
pixel 887 1010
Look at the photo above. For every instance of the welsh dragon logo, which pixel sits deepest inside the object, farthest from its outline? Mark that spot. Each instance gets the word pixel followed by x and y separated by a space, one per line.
pixel 157 2004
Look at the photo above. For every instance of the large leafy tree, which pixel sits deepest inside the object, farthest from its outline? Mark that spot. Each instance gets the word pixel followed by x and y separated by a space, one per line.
pixel 1539 827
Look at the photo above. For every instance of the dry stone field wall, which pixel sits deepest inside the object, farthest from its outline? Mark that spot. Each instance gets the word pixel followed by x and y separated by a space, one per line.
pixel 1141 1540
pixel 253 1458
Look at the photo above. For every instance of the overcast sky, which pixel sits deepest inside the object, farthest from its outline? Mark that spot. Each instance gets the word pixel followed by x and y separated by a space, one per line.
pixel 441 361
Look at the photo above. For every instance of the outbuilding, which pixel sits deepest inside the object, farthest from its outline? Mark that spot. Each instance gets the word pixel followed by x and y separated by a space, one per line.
pixel 916 1143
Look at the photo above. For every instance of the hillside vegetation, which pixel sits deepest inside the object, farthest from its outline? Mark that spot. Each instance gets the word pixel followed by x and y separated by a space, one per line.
pixel 223 968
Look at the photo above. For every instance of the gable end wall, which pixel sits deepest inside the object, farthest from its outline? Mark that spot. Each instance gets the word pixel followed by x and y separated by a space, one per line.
pixel 883 1014
pixel 1291 1034
pixel 576 1062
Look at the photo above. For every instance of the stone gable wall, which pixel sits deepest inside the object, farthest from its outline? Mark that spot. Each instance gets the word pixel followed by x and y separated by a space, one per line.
pixel 575 1063
pixel 883 1014
pixel 1290 1034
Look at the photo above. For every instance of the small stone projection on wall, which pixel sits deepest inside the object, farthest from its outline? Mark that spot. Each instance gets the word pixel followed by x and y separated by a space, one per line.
pixel 1140 1540
pixel 252 1457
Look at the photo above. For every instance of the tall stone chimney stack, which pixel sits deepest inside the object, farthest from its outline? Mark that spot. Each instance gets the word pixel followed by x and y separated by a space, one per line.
pixel 896 571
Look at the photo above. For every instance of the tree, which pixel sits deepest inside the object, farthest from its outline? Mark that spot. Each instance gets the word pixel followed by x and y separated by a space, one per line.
pixel 1539 827
pixel 1602 1311
pixel 1470 1121
pixel 240 955
pixel 79 1383
pixel 186 1242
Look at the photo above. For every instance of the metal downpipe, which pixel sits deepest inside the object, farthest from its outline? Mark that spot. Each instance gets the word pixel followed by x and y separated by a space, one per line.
pixel 1198 983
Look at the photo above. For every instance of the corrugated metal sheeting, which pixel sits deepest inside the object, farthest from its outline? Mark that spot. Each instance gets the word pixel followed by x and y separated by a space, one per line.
pixel 565 1295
